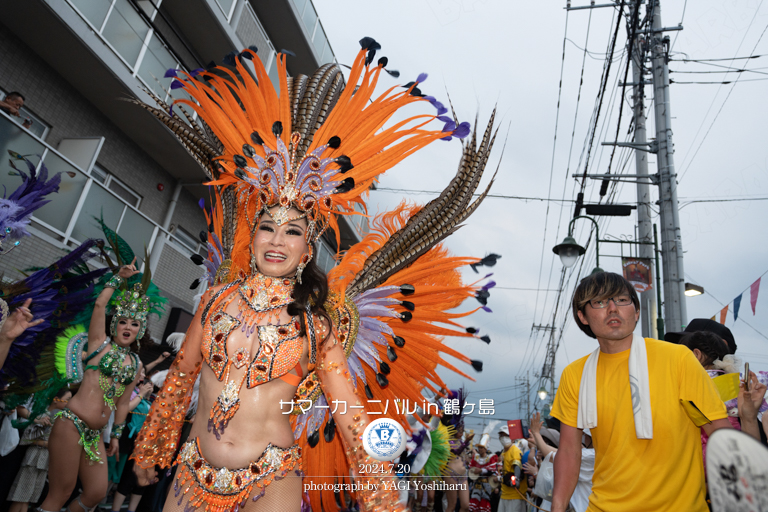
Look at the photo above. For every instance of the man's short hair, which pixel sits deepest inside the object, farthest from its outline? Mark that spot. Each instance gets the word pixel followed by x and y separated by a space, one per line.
pixel 600 286
pixel 15 94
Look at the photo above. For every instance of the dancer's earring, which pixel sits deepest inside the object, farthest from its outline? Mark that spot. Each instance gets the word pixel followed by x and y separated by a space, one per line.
pixel 305 259
pixel 253 263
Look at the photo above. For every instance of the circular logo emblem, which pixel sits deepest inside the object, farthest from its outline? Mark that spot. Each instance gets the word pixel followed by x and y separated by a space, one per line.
pixel 384 439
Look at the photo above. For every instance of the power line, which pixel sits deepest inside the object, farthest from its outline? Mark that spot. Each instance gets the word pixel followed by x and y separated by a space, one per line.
pixel 682 175
pixel 497 196
pixel 722 304
pixel 682 17
pixel 724 200
pixel 602 54
pixel 725 69
pixel 543 199
pixel 719 60
pixel 552 160
pixel 716 83
pixel 630 44
pixel 601 94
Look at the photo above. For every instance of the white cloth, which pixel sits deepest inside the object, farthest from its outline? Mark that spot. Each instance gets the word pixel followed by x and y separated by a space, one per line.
pixel 639 384
pixel 580 496
pixel 9 436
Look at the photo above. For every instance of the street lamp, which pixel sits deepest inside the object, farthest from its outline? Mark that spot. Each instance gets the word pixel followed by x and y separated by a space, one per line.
pixel 692 290
pixel 542 392
pixel 569 251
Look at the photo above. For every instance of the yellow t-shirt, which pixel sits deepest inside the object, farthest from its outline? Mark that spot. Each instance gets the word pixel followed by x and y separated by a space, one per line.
pixel 631 474
pixel 509 457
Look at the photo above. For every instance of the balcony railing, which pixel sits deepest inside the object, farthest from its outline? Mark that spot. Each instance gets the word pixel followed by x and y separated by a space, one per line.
pixel 132 39
pixel 70 216
pixel 314 27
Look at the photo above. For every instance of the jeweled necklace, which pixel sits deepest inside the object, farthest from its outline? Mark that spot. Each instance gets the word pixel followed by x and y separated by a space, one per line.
pixel 260 298
pixel 111 365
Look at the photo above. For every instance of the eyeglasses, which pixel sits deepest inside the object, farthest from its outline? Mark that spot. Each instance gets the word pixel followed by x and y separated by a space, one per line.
pixel 602 304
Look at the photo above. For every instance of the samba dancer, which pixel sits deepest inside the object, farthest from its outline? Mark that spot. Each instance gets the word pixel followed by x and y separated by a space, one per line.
pixel 273 330
pixel 111 373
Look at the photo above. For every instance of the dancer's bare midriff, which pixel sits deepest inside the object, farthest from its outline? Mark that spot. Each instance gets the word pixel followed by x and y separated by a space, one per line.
pixel 259 421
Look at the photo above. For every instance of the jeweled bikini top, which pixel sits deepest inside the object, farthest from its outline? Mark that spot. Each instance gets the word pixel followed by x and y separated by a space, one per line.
pixel 280 350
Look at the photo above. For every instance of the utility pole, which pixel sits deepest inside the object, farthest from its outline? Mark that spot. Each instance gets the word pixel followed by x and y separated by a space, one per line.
pixel 675 312
pixel 644 231
pixel 548 370
pixel 525 382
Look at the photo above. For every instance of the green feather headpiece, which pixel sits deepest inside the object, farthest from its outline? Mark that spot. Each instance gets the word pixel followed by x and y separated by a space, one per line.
pixel 139 296
pixel 132 304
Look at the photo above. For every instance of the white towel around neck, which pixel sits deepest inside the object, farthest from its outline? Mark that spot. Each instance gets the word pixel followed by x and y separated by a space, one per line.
pixel 639 385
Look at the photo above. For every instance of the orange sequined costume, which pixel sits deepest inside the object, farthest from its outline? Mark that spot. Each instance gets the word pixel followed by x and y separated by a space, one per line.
pixel 317 145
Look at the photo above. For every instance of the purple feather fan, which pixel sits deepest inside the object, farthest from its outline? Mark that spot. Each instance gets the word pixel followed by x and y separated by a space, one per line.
pixel 17 208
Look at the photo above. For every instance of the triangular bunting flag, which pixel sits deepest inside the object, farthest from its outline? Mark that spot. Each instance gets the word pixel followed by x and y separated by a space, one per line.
pixel 754 289
pixel 723 313
pixel 736 306
pixel 713 318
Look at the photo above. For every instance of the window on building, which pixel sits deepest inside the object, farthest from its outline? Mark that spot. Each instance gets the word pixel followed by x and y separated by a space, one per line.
pixel 39 127
pixel 72 215
pixel 122 190
pixel 310 18
pixel 226 7
pixel 190 242
pixel 325 256
pixel 127 33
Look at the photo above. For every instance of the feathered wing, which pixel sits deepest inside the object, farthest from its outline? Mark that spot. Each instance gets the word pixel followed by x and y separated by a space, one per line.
pixel 314 120
pixel 337 139
pixel 18 207
pixel 47 357
pixel 390 301
pixel 60 293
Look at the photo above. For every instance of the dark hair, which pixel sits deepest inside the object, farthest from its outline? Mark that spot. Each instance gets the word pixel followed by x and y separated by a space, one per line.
pixel 15 94
pixel 63 391
pixel 602 285
pixel 709 344
pixel 313 290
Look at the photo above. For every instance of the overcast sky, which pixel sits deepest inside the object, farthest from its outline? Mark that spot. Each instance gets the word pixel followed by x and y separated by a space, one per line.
pixel 505 53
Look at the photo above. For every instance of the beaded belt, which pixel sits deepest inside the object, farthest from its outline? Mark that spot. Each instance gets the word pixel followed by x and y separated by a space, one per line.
pixel 221 489
pixel 90 439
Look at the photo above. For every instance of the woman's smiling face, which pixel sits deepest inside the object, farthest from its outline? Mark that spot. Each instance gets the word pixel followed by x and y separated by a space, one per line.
pixel 277 250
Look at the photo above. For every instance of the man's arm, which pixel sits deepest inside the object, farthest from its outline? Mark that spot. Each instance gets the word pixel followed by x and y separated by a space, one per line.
pixel 709 428
pixel 567 465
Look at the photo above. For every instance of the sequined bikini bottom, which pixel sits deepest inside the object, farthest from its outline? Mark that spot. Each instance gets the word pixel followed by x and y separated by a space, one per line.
pixel 215 489
pixel 90 439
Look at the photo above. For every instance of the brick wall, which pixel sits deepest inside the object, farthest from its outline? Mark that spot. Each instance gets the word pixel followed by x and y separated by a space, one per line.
pixel 70 114
pixel 32 252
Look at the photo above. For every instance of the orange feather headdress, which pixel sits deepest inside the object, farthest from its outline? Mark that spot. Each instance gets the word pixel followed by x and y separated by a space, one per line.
pixel 315 146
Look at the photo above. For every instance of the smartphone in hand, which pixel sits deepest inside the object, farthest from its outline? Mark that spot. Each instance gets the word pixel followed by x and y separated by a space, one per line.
pixel 746 376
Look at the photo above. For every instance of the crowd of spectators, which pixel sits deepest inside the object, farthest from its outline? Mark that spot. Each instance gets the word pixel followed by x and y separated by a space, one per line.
pixel 24 453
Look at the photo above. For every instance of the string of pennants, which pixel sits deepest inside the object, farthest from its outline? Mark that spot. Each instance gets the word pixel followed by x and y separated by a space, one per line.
pixel 754 289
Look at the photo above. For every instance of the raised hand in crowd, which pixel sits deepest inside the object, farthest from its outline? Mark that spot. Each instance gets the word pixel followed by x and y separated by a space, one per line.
pixel 530 468
pixel 17 322
pixel 128 271
pixel 162 357
pixel 749 403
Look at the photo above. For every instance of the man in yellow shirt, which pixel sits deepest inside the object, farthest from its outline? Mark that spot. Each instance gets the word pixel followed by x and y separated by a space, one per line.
pixel 514 484
pixel 644 401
